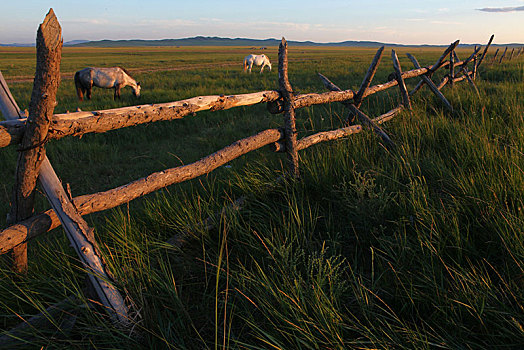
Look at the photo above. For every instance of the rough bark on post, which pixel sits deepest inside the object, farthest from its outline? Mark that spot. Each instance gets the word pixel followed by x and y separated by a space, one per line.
pixel 289 110
pixel 430 83
pixel 43 99
pixel 402 86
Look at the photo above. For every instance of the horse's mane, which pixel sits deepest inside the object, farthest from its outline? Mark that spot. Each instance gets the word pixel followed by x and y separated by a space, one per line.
pixel 125 71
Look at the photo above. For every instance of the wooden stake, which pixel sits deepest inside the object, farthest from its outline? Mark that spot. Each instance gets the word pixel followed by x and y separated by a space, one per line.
pixel 504 54
pixel 430 83
pixel 485 50
pixel 43 99
pixel 289 111
pixel 474 73
pixel 511 55
pixel 495 56
pixel 401 84
pixel 357 100
pixel 77 230
pixel 451 68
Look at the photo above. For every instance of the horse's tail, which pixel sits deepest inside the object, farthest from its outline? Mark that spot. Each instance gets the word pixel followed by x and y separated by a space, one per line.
pixel 79 87
pixel 245 64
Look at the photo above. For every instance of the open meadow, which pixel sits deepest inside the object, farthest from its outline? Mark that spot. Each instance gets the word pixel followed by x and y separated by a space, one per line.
pixel 416 247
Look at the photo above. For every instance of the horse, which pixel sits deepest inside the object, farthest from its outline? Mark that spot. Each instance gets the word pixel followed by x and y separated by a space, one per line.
pixel 114 77
pixel 257 60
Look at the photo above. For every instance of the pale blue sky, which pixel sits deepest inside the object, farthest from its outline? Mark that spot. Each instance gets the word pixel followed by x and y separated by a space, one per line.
pixel 400 21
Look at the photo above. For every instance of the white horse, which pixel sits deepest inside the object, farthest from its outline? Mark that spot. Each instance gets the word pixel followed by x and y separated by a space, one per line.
pixel 114 77
pixel 257 60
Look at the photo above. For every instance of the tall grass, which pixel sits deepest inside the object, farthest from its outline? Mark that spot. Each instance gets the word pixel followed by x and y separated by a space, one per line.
pixel 417 247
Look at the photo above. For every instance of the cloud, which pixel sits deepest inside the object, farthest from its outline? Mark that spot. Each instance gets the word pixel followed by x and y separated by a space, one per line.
pixel 502 9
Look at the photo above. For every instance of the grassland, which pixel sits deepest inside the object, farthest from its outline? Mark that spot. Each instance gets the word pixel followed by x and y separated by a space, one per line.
pixel 419 247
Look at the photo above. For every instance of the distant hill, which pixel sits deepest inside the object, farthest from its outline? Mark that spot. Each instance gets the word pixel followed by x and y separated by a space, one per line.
pixel 217 41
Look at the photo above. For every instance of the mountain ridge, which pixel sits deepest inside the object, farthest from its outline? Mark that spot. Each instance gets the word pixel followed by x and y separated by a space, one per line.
pixel 219 41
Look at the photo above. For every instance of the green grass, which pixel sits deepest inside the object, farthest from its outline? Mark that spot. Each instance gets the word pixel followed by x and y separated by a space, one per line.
pixel 419 247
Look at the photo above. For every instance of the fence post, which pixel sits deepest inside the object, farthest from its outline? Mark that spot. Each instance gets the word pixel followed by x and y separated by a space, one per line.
pixel 485 51
pixel 289 111
pixel 401 84
pixel 79 233
pixel 504 54
pixel 451 68
pixel 32 150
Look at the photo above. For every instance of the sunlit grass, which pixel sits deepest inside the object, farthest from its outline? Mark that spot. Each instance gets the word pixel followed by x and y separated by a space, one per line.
pixel 416 247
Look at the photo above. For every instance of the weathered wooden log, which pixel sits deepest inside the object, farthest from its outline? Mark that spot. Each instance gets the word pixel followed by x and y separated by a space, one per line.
pixel 43 99
pixel 388 115
pixel 80 123
pixel 402 86
pixel 11 131
pixel 87 204
pixel 430 83
pixel 504 54
pixel 444 81
pixel 319 137
pixel 289 111
pixel 436 66
pixel 357 100
pixel 485 51
pixel 355 111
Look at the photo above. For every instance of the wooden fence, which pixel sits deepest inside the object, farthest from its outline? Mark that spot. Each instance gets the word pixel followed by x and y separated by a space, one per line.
pixel 31 133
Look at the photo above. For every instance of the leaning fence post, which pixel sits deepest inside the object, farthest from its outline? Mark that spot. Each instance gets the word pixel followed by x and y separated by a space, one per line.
pixel 504 54
pixel 511 55
pixel 451 68
pixel 289 110
pixel 77 230
pixel 32 150
pixel 430 83
pixel 401 84
pixel 494 56
pixel 485 51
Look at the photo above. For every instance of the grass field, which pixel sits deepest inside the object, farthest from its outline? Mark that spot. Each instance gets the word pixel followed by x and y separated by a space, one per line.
pixel 419 247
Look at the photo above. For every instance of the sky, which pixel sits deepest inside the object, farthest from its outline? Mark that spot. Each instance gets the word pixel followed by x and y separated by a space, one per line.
pixel 436 22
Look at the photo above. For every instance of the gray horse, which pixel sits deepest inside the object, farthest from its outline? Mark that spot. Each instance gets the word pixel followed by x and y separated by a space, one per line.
pixel 114 77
